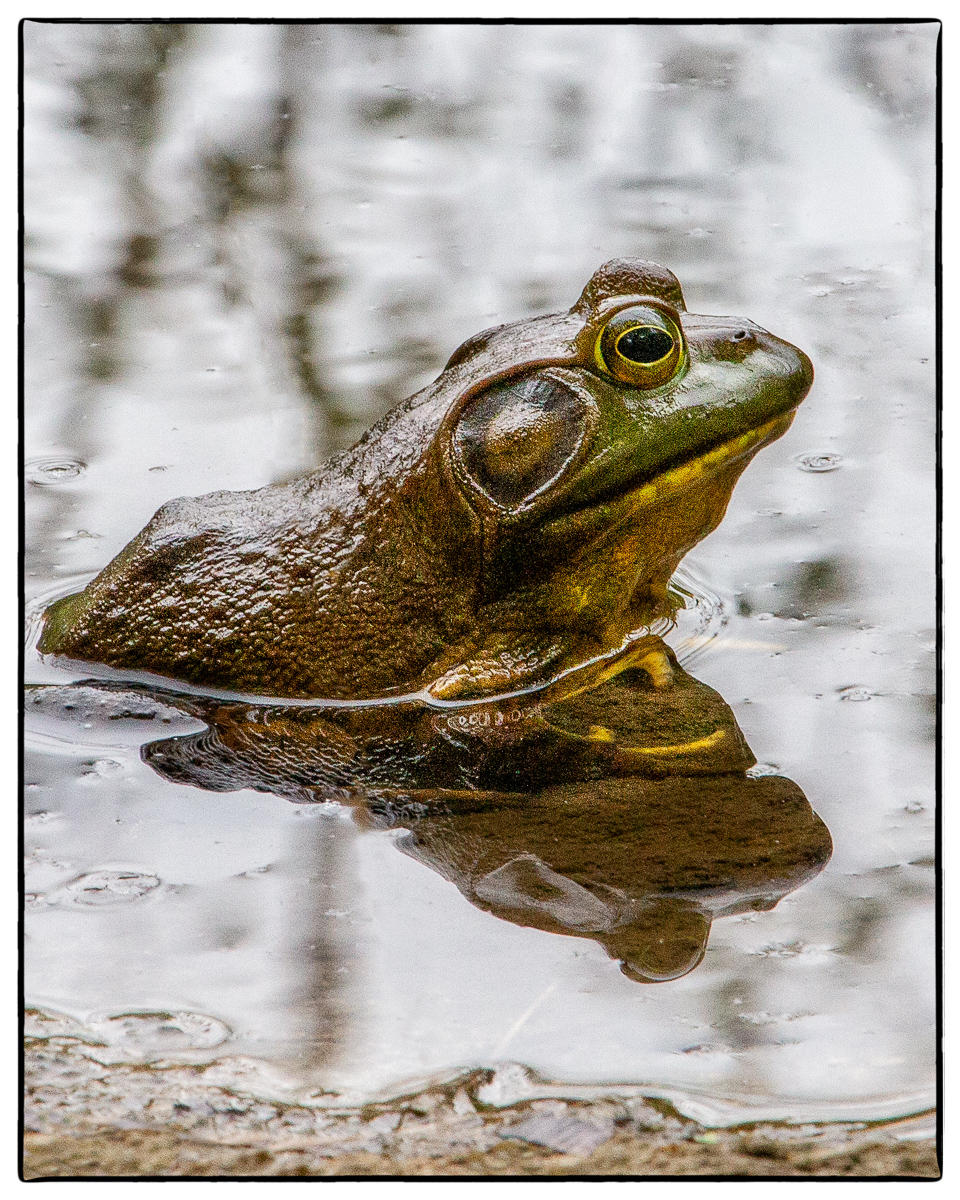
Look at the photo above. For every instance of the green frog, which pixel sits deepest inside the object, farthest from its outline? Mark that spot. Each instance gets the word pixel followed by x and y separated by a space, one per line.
pixel 514 524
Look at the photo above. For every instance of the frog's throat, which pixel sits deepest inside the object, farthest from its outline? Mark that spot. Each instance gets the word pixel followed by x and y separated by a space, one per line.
pixel 691 472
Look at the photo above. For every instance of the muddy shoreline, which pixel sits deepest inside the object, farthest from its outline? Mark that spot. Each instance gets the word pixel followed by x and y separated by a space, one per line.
pixel 170 1154
pixel 85 1118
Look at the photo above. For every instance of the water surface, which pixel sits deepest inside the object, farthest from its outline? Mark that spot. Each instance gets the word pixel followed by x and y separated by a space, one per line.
pixel 245 243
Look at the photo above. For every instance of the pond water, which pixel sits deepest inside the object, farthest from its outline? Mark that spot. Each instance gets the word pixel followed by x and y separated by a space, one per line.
pixel 243 245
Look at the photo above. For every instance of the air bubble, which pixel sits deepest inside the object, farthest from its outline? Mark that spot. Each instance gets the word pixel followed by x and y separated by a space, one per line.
pixel 819 463
pixel 102 767
pixel 855 693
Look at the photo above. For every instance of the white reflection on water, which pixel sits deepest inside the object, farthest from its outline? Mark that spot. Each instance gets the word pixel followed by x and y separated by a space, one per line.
pixel 244 243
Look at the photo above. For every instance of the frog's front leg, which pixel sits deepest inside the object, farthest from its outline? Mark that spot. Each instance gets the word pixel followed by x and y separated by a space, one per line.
pixel 508 662
pixel 503 663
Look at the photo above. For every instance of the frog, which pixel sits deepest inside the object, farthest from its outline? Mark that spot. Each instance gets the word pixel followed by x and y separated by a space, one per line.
pixel 513 524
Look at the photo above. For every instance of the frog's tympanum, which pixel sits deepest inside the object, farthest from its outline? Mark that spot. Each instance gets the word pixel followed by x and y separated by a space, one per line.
pixel 517 519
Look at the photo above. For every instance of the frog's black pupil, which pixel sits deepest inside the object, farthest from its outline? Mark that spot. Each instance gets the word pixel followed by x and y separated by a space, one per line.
pixel 645 344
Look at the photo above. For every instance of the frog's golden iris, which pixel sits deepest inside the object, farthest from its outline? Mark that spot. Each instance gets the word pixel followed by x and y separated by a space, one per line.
pixel 641 346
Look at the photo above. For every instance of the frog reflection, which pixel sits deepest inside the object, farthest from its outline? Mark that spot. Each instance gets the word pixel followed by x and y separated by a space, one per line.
pixel 641 866
pixel 622 813
pixel 461 755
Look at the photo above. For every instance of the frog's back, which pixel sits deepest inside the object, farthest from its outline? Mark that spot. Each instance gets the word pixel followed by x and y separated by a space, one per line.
pixel 181 586
pixel 269 591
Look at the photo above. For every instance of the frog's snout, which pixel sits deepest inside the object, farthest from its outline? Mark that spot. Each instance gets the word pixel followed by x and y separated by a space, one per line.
pixel 792 365
pixel 806 370
pixel 797 369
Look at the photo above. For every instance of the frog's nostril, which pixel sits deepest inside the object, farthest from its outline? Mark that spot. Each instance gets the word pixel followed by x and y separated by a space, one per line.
pixel 740 335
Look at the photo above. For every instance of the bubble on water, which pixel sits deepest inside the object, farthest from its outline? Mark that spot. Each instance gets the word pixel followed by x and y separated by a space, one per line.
pixel 856 693
pixel 43 817
pixel 100 768
pixel 151 1034
pixel 100 888
pixel 73 535
pixel 793 950
pixel 819 463
pixel 52 469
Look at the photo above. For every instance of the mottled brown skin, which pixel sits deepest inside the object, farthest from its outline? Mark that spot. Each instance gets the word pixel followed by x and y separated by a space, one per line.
pixel 520 516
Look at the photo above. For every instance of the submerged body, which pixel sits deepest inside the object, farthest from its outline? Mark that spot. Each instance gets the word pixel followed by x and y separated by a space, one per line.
pixel 518 518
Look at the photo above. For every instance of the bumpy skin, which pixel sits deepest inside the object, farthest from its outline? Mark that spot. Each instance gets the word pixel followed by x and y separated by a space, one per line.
pixel 518 517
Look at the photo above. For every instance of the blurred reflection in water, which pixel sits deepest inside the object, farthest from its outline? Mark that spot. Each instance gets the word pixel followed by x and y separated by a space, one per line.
pixel 637 840
pixel 244 243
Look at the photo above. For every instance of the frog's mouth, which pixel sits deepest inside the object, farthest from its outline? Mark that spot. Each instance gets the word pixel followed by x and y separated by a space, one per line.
pixel 691 471
pixel 674 478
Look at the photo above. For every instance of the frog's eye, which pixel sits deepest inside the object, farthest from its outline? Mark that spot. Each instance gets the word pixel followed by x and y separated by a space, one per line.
pixel 517 439
pixel 641 346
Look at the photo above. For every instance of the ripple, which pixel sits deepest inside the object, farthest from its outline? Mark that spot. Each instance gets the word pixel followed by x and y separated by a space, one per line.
pixel 52 469
pixel 702 619
pixel 35 607
pixel 794 949
pixel 147 1034
pixel 46 1023
pixel 819 463
pixel 97 889
pixel 100 768
pixel 760 769
pixel 43 817
pixel 763 1018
